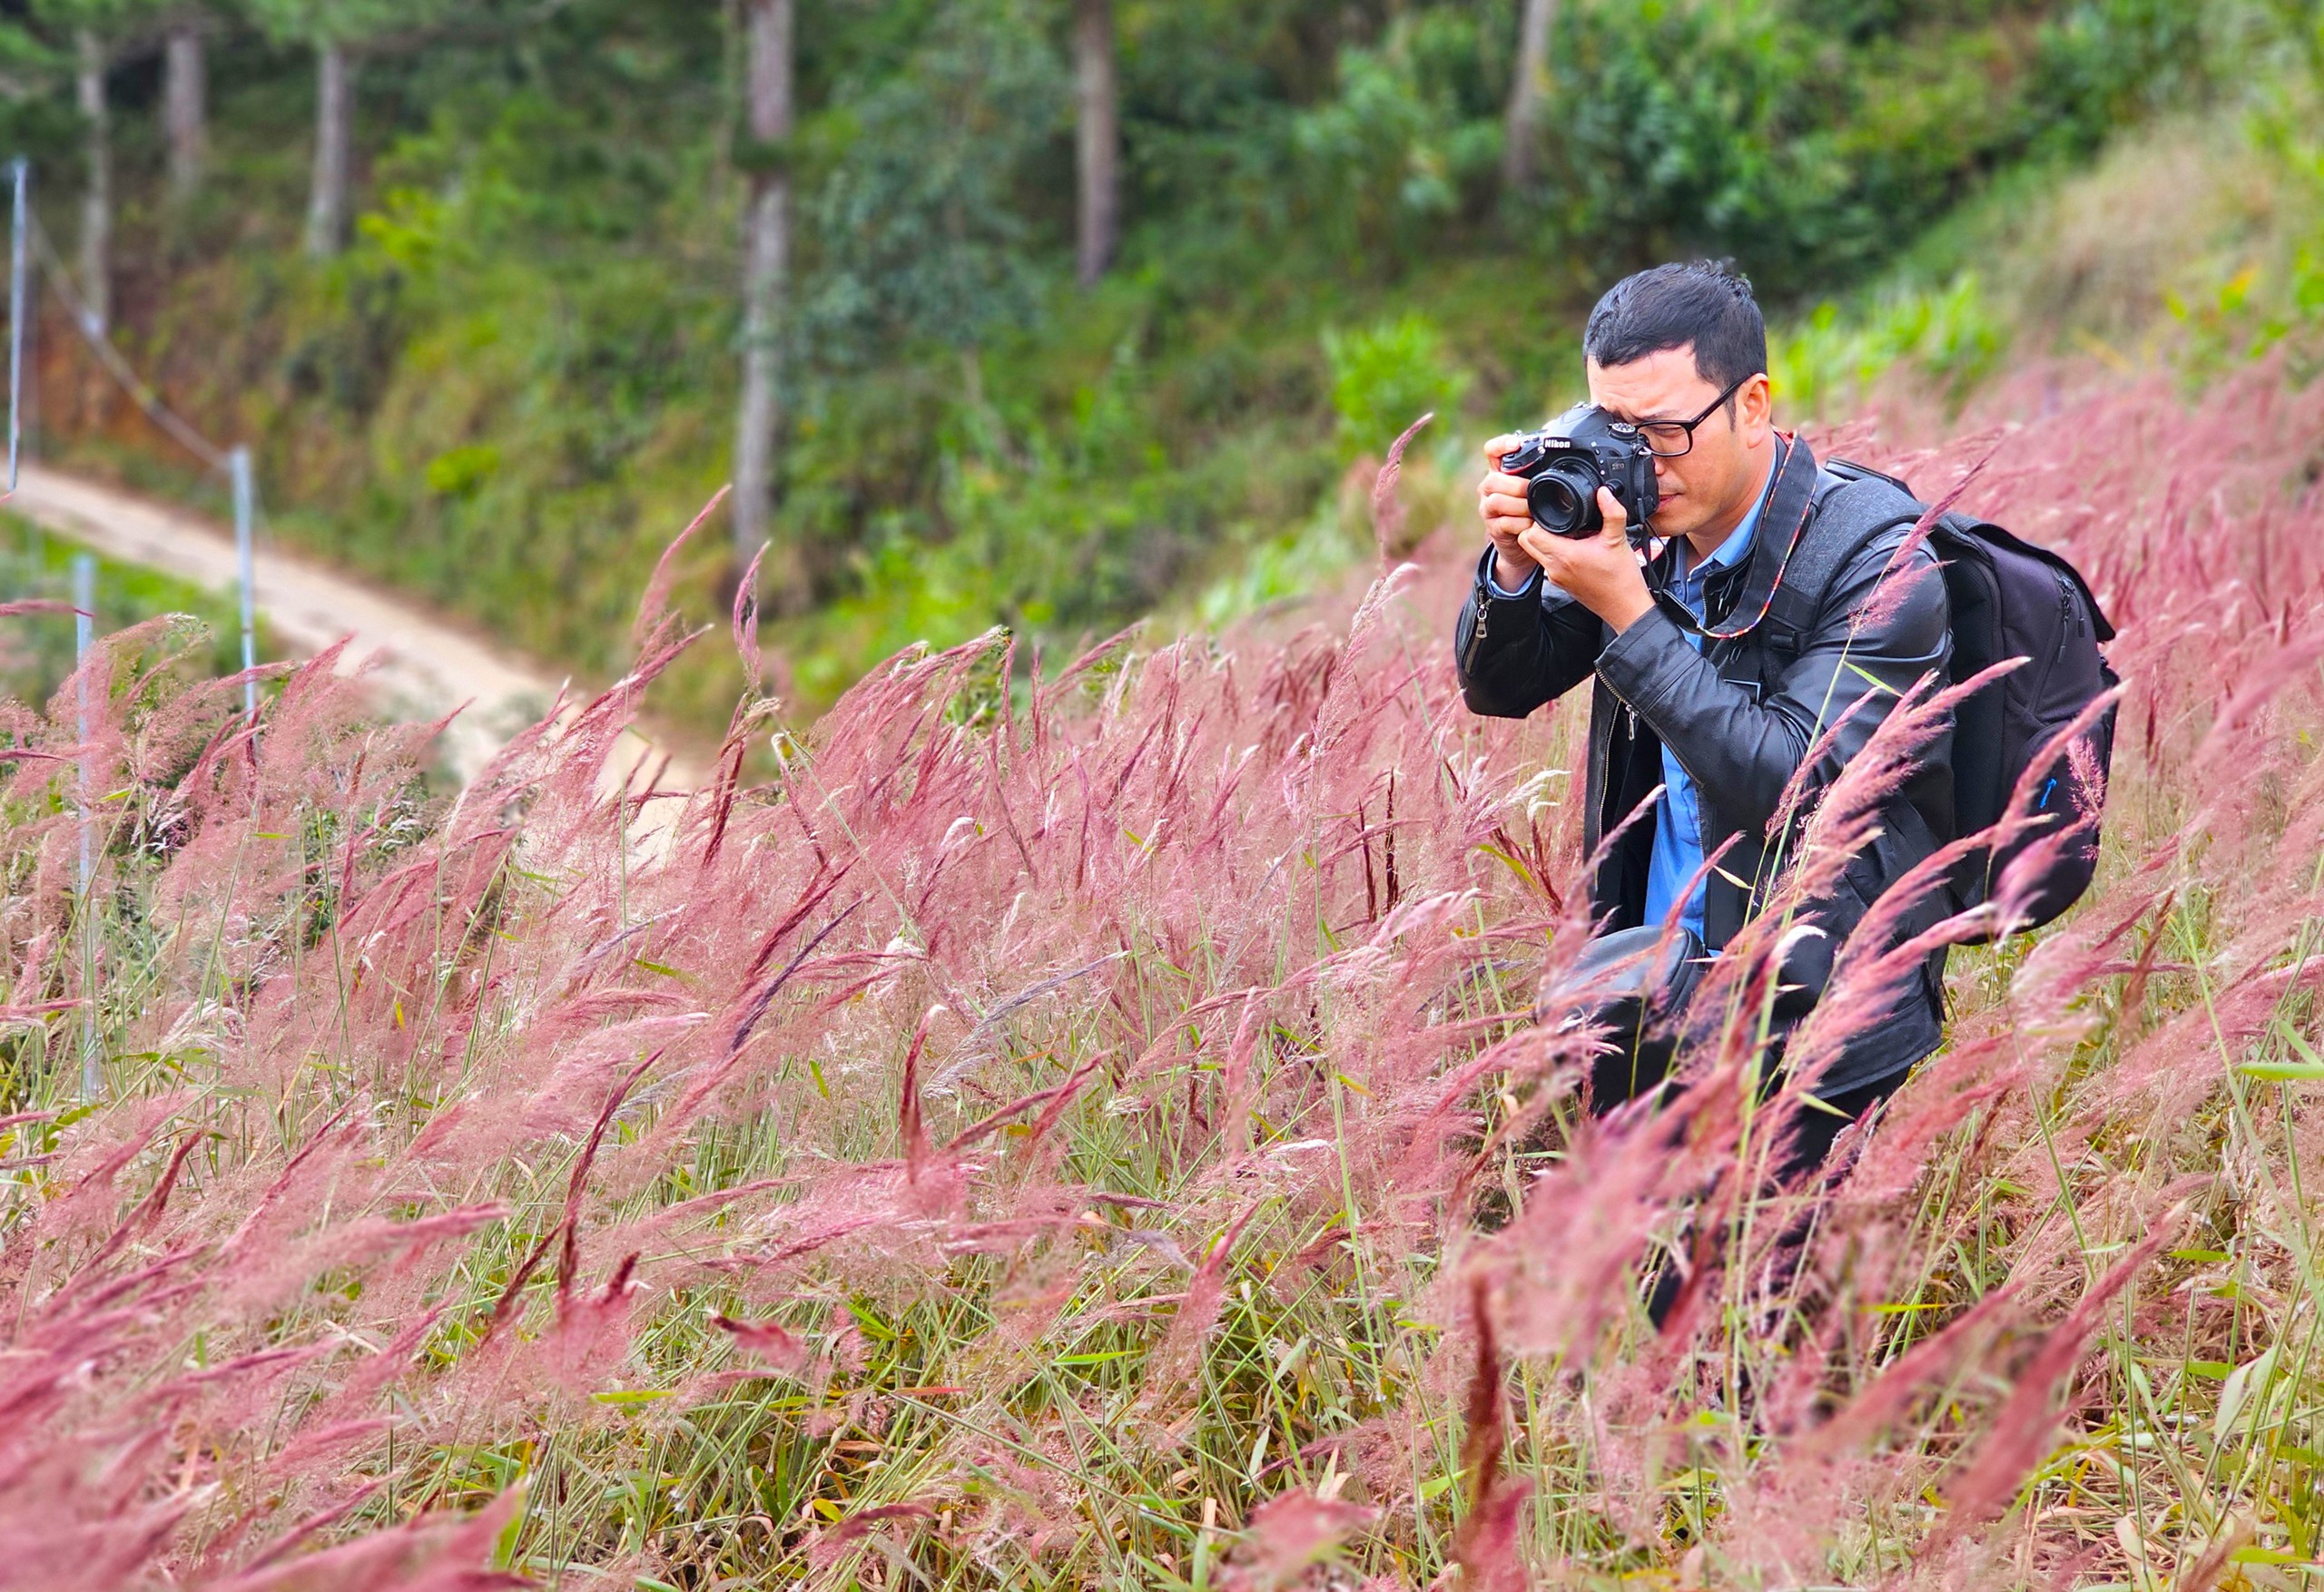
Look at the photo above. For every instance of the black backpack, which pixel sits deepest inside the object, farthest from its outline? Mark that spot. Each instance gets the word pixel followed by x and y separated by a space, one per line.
pixel 2009 599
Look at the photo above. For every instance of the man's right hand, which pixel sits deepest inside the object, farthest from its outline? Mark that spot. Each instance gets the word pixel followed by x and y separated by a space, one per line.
pixel 1500 502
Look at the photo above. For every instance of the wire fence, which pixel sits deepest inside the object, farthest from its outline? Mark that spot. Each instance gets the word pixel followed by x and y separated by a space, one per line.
pixel 28 238
pixel 30 247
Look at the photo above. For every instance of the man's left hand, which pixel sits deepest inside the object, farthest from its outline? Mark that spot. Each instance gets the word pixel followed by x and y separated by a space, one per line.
pixel 1601 572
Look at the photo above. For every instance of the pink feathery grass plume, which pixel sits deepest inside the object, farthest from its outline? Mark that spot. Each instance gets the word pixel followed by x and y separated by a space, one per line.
pixel 1170 1372
pixel 902 1520
pixel 768 1340
pixel 1289 1534
pixel 2021 1434
pixel 1486 1545
pixel 1387 509
pixel 655 602
pixel 747 617
pixel 1059 1112
pixel 432 1553
pixel 1880 960
pixel 910 1127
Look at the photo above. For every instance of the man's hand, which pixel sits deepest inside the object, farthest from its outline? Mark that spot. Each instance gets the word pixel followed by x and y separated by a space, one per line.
pixel 1601 571
pixel 1500 502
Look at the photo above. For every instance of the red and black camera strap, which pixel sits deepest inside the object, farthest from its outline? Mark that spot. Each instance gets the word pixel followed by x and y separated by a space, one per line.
pixel 1788 506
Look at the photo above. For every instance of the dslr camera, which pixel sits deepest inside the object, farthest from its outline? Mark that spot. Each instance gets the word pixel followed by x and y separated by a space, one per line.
pixel 1566 461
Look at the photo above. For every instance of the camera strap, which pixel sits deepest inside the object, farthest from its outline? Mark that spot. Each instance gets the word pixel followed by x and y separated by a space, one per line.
pixel 1789 503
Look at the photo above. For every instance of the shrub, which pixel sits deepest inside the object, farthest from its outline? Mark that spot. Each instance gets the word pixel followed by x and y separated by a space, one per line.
pixel 1386 375
pixel 1948 337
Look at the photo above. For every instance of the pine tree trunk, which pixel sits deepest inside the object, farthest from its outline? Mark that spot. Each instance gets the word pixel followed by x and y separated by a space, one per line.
pixel 96 193
pixel 334 134
pixel 766 244
pixel 1097 142
pixel 185 113
pixel 1528 97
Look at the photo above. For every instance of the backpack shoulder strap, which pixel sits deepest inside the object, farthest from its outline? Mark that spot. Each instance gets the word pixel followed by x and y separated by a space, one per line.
pixel 1851 507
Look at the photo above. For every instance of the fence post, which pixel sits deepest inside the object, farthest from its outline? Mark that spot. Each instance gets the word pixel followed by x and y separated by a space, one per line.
pixel 246 562
pixel 21 169
pixel 85 636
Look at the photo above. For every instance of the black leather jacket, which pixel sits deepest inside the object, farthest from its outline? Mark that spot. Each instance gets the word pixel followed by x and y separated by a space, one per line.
pixel 1739 718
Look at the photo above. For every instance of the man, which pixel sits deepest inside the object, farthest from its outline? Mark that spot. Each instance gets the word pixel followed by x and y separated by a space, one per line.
pixel 1710 683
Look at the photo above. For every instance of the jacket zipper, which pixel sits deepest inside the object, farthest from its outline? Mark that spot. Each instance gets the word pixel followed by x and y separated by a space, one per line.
pixel 1630 712
pixel 1477 630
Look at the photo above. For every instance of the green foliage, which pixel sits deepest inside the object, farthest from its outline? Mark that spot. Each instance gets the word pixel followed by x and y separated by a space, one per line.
pixel 1695 126
pixel 1951 335
pixel 108 19
pixel 1062 524
pixel 1387 376
pixel 918 225
pixel 519 382
pixel 459 472
pixel 346 21
pixel 1805 138
pixel 2104 63
pixel 1410 140
pixel 2249 313
pixel 1283 570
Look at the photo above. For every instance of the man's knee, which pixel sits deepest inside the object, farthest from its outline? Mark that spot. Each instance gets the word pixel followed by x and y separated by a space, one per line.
pixel 1822 1117
pixel 1633 986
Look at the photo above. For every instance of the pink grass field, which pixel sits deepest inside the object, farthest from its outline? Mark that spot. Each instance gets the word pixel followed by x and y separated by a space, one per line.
pixel 1093 1133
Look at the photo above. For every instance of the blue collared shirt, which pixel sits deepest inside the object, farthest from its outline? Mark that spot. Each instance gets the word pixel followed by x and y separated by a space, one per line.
pixel 1677 854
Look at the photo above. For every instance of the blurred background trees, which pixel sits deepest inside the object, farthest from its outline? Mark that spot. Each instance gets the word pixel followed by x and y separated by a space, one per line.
pixel 95 35
pixel 1043 313
pixel 768 88
pixel 185 100
pixel 1098 139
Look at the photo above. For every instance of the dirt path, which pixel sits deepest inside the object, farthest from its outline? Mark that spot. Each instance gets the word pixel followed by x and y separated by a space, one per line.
pixel 425 667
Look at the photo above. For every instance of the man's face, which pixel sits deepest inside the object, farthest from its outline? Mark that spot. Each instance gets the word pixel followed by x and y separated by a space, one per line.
pixel 1715 481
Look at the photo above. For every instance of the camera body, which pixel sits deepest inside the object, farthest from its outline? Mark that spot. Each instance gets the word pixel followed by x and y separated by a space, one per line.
pixel 1566 461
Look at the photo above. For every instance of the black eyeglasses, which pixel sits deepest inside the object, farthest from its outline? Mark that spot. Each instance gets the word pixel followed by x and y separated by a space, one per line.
pixel 1673 438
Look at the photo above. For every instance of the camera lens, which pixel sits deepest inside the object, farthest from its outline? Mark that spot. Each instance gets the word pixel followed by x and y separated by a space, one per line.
pixel 1564 499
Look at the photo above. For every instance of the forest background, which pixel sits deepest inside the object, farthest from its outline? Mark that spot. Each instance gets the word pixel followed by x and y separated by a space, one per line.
pixel 1067 311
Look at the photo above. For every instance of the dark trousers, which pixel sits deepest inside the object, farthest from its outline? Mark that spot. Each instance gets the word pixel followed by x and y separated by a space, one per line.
pixel 1639 985
pixel 1619 1076
pixel 1809 1146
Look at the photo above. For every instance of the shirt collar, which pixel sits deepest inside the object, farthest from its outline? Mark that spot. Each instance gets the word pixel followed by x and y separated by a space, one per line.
pixel 1738 546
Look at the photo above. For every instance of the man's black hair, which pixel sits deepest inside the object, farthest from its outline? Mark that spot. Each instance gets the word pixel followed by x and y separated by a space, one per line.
pixel 1706 302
